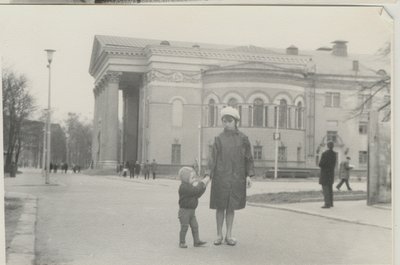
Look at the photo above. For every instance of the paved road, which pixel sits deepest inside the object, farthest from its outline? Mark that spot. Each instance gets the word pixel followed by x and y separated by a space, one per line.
pixel 99 220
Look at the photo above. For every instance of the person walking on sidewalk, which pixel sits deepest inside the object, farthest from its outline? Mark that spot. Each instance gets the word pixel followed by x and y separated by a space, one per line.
pixel 190 191
pixel 131 169
pixel 344 173
pixel 137 169
pixel 327 165
pixel 146 169
pixel 231 167
pixel 153 168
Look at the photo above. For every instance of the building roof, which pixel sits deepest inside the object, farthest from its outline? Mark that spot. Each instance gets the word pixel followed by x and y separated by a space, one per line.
pixel 325 62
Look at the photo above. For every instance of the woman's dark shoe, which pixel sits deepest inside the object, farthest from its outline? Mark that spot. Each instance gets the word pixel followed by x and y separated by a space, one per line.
pixel 182 245
pixel 218 241
pixel 230 241
pixel 325 207
pixel 199 243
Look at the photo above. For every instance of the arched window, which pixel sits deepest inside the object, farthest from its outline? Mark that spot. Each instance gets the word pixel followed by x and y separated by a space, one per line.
pixel 235 104
pixel 177 113
pixel 258 107
pixel 299 115
pixel 282 113
pixel 211 113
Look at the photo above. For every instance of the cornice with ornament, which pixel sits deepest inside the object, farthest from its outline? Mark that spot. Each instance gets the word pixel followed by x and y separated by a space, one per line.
pixel 173 76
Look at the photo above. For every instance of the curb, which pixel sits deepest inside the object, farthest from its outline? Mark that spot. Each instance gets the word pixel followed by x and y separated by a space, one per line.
pixel 316 214
pixel 22 247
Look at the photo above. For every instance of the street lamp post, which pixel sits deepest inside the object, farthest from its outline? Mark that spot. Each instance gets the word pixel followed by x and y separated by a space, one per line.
pixel 48 120
pixel 44 152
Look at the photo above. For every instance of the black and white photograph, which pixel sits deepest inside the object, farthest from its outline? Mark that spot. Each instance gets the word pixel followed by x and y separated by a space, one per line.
pixel 167 135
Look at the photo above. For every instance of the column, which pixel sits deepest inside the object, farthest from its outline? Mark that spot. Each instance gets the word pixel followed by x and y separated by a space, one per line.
pixel 95 126
pixel 111 123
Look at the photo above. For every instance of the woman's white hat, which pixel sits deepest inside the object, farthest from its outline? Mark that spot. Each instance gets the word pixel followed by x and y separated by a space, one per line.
pixel 231 112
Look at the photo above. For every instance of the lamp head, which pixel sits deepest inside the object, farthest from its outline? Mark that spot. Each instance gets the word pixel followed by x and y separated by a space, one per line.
pixel 50 55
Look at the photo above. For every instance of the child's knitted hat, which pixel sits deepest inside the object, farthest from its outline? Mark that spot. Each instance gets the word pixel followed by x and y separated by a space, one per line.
pixel 185 173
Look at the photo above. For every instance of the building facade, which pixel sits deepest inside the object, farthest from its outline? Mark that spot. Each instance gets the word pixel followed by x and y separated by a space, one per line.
pixel 172 94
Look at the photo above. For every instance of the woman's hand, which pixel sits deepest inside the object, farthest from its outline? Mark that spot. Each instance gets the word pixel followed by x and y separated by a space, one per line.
pixel 248 182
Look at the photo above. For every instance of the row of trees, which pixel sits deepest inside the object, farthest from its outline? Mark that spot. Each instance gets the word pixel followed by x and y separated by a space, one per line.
pixel 71 142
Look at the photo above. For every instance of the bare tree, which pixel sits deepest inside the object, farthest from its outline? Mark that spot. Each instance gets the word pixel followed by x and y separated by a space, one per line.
pixel 79 140
pixel 18 104
pixel 376 95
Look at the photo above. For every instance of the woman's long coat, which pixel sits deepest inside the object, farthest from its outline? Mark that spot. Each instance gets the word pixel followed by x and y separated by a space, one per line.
pixel 230 163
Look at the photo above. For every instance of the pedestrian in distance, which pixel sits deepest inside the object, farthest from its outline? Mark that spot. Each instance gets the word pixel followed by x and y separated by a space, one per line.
pixel 131 170
pixel 327 165
pixel 230 167
pixel 65 168
pixel 153 168
pixel 125 169
pixel 190 191
pixel 344 173
pixel 137 169
pixel 146 170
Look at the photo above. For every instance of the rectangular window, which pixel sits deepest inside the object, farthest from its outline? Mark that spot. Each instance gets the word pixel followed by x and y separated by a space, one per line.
pixel 250 116
pixel 176 154
pixel 266 116
pixel 299 156
pixel 210 149
pixel 363 127
pixel 332 99
pixel 331 136
pixel 282 156
pixel 257 152
pixel 362 157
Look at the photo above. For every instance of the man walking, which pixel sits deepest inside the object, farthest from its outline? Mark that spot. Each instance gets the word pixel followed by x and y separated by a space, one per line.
pixel 153 168
pixel 327 165
pixel 344 173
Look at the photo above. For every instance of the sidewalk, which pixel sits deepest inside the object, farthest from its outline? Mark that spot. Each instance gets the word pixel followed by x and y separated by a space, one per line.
pixel 353 211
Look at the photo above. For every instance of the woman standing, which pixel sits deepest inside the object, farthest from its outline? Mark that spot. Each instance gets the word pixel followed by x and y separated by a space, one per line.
pixel 231 168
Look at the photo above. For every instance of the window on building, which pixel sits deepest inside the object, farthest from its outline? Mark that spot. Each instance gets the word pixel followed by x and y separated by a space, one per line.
pixel 266 116
pixel 362 157
pixel 331 136
pixel 299 116
pixel 210 149
pixel 177 113
pixel 332 99
pixel 257 152
pixel 211 113
pixel 299 156
pixel 282 113
pixel 282 155
pixel 234 104
pixel 363 127
pixel 258 109
pixel 176 154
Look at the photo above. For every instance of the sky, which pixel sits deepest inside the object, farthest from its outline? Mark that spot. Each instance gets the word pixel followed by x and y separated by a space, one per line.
pixel 26 31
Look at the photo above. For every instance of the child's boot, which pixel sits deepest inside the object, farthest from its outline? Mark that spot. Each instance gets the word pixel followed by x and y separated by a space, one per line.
pixel 196 238
pixel 182 236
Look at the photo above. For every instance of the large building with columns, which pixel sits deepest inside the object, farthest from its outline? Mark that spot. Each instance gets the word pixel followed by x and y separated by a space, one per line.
pixel 171 93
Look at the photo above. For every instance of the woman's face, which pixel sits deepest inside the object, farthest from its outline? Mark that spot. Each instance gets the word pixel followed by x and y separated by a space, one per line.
pixel 228 122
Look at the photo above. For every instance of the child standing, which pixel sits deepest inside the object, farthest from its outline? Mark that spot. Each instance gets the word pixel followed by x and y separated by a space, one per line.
pixel 190 191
